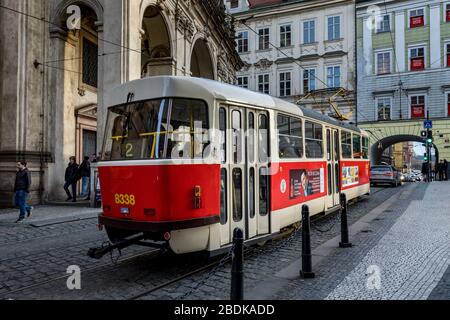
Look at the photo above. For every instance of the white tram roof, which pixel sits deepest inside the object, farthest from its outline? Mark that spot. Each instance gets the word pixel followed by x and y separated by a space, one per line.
pixel 209 90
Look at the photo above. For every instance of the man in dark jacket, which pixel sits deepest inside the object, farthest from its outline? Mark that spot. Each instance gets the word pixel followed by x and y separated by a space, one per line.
pixel 72 176
pixel 446 170
pixel 85 173
pixel 22 190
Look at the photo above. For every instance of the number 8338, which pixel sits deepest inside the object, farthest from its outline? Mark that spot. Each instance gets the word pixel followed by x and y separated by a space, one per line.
pixel 125 199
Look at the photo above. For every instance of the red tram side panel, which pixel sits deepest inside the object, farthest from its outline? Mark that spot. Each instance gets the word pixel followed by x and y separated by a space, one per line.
pixel 297 183
pixel 354 174
pixel 160 193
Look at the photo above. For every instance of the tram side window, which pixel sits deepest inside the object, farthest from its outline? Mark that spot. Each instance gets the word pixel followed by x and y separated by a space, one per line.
pixel 223 197
pixel 346 145
pixel 237 195
pixel 290 139
pixel 313 140
pixel 365 148
pixel 188 130
pixel 264 153
pixel 237 137
pixel 264 191
pixel 357 149
pixel 223 134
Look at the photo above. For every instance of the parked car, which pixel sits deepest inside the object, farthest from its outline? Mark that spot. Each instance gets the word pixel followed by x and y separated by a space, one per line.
pixel 385 175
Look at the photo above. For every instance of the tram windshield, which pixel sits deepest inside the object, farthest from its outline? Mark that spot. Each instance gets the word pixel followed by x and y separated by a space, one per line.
pixel 157 129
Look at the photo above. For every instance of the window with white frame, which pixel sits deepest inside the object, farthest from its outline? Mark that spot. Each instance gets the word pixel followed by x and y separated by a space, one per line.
pixel 285 84
pixel 309 80
pixel 417 58
pixel 263 39
pixel 263 83
pixel 384 24
pixel 242 82
pixel 334 28
pixel 242 41
pixel 418 106
pixel 309 31
pixel 447 108
pixel 383 62
pixel 447 54
pixel 334 77
pixel 384 107
pixel 285 35
pixel 417 18
pixel 447 12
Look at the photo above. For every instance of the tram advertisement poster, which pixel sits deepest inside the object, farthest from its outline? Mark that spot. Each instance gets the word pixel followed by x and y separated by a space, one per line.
pixel 350 176
pixel 305 183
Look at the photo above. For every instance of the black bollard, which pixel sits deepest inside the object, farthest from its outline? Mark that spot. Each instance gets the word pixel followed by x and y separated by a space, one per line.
pixel 306 272
pixel 237 272
pixel 345 243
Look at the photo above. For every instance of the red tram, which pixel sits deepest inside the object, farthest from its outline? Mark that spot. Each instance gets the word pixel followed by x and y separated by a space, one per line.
pixel 187 160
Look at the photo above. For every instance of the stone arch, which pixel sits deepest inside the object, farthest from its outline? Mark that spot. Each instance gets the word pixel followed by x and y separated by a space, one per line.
pixel 156 41
pixel 202 62
pixel 380 146
pixel 60 10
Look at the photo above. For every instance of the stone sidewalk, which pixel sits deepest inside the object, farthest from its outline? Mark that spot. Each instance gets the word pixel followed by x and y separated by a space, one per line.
pixel 50 214
pixel 401 252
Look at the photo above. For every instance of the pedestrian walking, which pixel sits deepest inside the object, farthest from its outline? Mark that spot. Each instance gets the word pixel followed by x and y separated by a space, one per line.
pixel 85 173
pixel 445 170
pixel 425 171
pixel 22 190
pixel 440 169
pixel 71 177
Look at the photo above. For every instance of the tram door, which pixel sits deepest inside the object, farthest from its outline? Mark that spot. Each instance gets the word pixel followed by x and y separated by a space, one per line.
pixel 333 168
pixel 244 195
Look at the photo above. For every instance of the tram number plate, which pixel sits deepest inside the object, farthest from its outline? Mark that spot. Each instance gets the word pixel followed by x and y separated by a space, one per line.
pixel 125 199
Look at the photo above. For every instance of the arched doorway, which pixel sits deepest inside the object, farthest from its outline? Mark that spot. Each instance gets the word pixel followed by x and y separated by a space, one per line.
pixel 75 77
pixel 156 57
pixel 201 61
pixel 380 146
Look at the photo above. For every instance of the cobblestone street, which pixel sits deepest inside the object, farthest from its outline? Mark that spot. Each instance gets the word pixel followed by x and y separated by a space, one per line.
pixel 402 233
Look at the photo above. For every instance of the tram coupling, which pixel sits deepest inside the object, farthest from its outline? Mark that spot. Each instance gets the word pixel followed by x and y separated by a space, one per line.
pixel 99 252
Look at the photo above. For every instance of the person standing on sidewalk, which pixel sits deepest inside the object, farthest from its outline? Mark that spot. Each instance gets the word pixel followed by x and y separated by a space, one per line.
pixel 22 190
pixel 85 173
pixel 440 169
pixel 445 170
pixel 72 176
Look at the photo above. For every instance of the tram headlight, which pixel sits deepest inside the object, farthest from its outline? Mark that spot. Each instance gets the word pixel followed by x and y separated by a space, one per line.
pixel 125 211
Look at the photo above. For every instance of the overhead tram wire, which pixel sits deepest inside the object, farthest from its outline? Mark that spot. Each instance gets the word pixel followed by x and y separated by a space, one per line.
pixel 142 52
pixel 98 38
pixel 283 53
pixel 105 54
pixel 295 61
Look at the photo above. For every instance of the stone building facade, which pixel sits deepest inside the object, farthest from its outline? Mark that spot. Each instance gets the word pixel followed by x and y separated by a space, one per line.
pixel 56 71
pixel 315 63
pixel 403 70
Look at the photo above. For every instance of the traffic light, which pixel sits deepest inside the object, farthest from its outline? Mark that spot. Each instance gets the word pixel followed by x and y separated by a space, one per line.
pixel 424 134
pixel 430 137
pixel 425 157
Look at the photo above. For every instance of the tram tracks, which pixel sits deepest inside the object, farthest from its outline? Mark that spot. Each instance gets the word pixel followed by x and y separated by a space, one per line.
pixel 159 274
pixel 149 254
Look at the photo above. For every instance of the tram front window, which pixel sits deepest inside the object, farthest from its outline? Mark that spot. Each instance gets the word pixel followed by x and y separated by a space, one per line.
pixel 157 129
